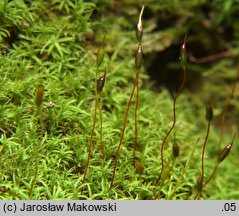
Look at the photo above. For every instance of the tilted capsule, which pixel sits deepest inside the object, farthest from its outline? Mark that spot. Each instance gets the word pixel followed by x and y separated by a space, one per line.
pixel 183 53
pixel 175 149
pixel 199 184
pixel 101 83
pixel 209 112
pixel 224 153
pixel 39 96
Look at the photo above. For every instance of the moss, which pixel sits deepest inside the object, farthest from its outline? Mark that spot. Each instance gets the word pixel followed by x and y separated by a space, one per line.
pixel 55 43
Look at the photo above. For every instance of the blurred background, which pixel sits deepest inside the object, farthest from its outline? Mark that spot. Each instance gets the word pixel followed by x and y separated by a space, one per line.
pixel 212 29
pixel 55 42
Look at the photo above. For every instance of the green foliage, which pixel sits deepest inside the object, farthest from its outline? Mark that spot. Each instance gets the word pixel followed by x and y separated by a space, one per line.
pixel 55 43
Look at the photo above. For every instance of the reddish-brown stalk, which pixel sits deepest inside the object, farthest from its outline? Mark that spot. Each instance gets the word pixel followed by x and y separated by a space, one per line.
pixel 36 170
pixel 183 59
pixel 91 143
pixel 101 148
pixel 209 117
pixel 175 151
pixel 224 113
pixel 99 84
pixel 38 101
pixel 210 58
pixel 138 64
pixel 184 170
pixel 204 147
pixel 135 118
pixel 122 133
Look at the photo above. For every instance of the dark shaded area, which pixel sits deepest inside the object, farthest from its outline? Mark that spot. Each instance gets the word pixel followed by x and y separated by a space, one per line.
pixel 210 31
pixel 164 67
pixel 159 71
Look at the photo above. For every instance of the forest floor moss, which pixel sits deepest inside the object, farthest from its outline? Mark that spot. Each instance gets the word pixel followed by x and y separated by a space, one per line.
pixel 55 44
